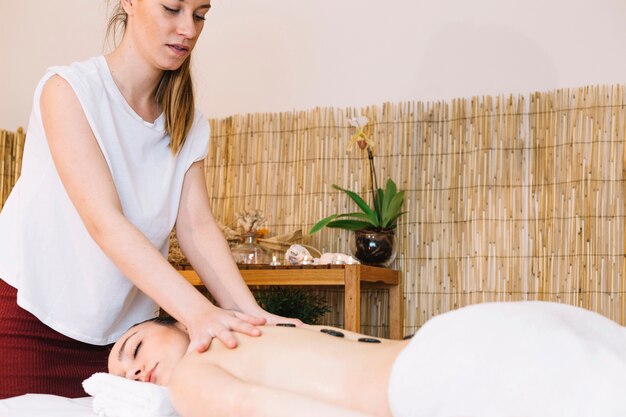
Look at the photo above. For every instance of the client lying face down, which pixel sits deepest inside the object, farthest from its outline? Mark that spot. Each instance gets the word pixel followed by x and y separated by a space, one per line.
pixel 288 371
pixel 495 359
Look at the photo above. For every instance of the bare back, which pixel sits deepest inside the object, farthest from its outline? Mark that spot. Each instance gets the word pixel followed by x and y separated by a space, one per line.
pixel 341 371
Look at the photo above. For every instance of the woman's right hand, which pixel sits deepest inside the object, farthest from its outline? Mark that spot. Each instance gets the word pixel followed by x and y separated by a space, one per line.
pixel 219 323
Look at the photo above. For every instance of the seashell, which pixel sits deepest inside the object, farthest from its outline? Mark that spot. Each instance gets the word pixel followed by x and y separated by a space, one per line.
pixel 296 255
pixel 336 259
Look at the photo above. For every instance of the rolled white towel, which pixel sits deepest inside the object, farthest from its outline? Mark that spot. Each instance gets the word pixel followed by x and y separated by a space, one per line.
pixel 114 396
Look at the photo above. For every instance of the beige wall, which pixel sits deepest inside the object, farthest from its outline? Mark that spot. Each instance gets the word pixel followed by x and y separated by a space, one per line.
pixel 277 55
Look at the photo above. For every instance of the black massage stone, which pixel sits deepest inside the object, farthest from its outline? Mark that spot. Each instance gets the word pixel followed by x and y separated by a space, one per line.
pixel 332 332
pixel 285 325
pixel 369 340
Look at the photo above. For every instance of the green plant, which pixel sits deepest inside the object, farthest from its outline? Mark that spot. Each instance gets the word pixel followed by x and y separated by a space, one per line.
pixel 293 302
pixel 387 204
pixel 383 215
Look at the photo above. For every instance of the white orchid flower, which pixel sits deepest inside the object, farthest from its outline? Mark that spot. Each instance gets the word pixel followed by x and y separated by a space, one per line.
pixel 360 138
pixel 358 122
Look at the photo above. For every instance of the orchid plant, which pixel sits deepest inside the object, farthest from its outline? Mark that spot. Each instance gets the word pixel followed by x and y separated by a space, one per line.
pixel 387 202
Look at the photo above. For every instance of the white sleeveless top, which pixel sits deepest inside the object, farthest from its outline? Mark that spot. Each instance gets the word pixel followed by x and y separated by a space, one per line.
pixel 61 274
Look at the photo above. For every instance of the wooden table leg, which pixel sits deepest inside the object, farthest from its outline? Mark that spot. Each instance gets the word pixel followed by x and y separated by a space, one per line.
pixel 352 299
pixel 396 309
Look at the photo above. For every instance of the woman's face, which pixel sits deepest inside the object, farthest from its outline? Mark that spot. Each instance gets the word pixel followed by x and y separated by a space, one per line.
pixel 165 31
pixel 149 352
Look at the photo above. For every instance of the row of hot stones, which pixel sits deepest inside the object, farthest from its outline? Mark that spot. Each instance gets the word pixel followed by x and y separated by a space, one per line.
pixel 335 333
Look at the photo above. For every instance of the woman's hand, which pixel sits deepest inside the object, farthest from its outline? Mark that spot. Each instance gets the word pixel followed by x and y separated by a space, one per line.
pixel 273 319
pixel 220 324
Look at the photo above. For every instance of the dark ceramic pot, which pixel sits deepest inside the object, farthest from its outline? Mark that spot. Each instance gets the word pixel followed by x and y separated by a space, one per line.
pixel 376 248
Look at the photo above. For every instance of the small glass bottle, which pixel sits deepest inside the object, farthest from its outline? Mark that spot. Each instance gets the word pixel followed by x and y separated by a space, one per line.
pixel 249 252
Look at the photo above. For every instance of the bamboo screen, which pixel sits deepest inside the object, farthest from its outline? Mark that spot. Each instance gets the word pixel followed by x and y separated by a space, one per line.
pixel 11 148
pixel 508 198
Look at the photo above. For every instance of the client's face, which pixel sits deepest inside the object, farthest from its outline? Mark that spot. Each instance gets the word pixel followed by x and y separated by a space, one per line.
pixel 148 352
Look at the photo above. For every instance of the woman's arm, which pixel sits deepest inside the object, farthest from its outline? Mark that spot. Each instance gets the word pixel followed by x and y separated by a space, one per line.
pixel 208 390
pixel 89 185
pixel 204 245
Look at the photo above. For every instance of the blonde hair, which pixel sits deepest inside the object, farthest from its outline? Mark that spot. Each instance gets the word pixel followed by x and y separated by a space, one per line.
pixel 174 92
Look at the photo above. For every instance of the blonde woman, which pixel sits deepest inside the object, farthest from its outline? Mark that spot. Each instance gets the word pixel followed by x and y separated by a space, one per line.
pixel 112 162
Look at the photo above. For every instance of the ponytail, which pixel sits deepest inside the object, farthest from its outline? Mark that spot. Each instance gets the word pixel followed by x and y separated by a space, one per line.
pixel 175 95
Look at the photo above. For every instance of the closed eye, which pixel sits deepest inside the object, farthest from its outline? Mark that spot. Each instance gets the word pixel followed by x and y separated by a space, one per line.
pixel 136 351
pixel 170 10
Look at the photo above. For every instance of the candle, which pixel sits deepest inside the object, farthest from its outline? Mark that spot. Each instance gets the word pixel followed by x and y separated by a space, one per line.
pixel 337 260
pixel 274 261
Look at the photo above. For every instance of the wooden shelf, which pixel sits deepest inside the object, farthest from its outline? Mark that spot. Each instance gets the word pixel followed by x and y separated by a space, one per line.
pixel 351 277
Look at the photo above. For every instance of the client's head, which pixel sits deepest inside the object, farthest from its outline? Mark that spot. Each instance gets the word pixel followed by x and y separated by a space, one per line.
pixel 149 351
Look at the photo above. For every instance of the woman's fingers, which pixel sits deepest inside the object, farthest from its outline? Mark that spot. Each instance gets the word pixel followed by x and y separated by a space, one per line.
pixel 247 328
pixel 203 344
pixel 199 344
pixel 273 319
pixel 255 320
pixel 221 325
pixel 226 337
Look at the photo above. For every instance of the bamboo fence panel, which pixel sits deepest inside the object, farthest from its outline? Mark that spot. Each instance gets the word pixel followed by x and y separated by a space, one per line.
pixel 577 201
pixel 508 198
pixel 11 150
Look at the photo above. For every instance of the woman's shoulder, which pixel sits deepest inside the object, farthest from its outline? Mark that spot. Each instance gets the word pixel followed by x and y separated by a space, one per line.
pixel 91 68
pixel 74 73
pixel 84 77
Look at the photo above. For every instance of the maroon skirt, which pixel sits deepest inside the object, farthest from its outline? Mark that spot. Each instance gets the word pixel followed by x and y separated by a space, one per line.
pixel 36 359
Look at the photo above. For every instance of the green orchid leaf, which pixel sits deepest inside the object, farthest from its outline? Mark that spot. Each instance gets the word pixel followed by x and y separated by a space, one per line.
pixel 349 224
pixel 356 198
pixel 394 208
pixel 370 218
pixel 390 192
pixel 392 221
pixel 391 187
pixel 384 214
pixel 323 223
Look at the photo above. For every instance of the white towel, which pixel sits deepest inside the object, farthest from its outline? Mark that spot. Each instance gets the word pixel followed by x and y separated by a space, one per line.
pixel 115 396
pixel 531 359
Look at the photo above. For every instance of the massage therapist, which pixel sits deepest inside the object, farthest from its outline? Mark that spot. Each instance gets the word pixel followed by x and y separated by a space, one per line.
pixel 112 162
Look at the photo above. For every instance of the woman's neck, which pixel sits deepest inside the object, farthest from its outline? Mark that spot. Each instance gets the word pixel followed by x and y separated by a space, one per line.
pixel 137 80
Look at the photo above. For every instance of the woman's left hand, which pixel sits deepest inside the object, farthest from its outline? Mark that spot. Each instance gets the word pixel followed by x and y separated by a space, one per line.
pixel 273 319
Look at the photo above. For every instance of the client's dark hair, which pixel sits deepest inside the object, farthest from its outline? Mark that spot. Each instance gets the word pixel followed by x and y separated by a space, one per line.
pixel 160 320
pixel 166 321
